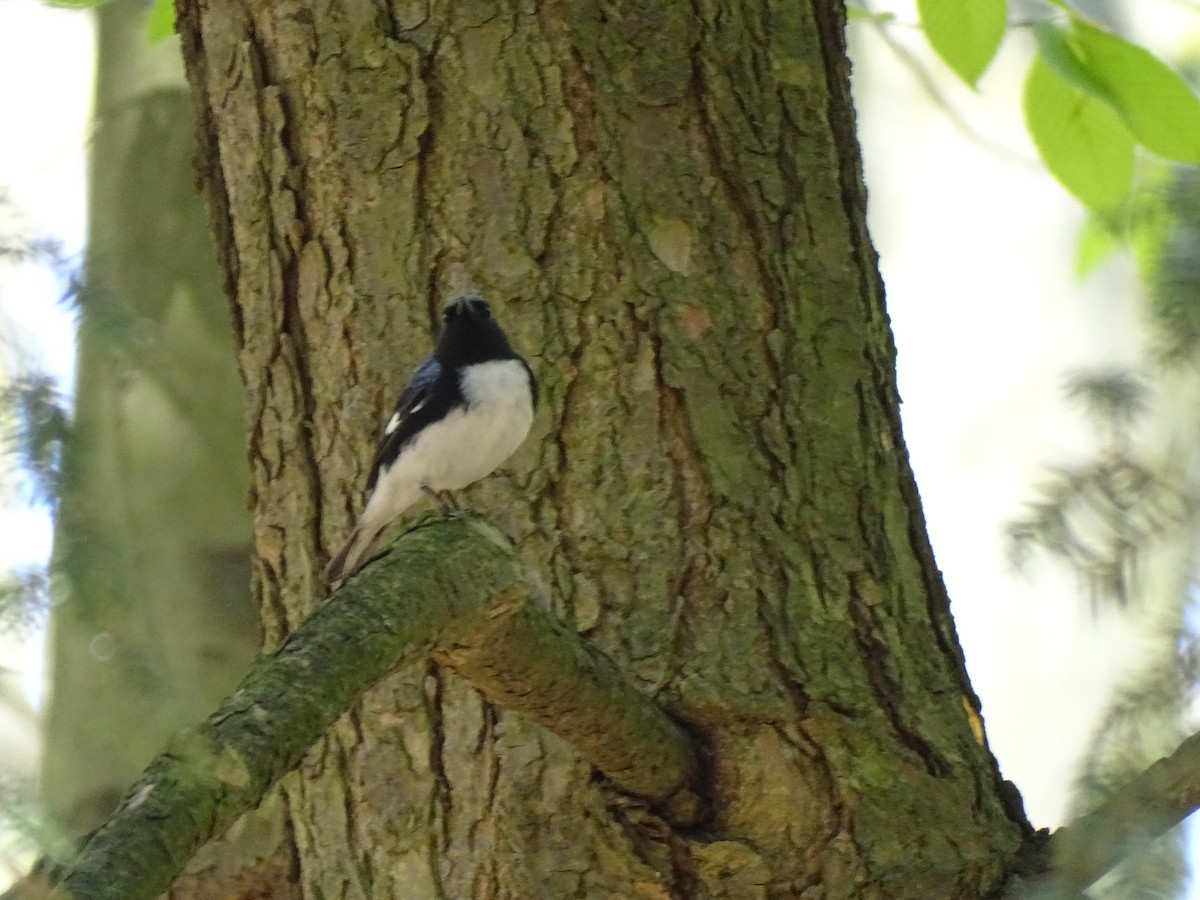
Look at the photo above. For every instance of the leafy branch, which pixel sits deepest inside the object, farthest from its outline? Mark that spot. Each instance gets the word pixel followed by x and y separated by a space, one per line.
pixel 1090 98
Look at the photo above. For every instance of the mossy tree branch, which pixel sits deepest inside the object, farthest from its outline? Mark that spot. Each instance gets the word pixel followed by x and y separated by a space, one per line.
pixel 450 589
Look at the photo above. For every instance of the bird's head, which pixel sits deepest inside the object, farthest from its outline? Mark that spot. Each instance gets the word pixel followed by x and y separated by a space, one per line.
pixel 470 334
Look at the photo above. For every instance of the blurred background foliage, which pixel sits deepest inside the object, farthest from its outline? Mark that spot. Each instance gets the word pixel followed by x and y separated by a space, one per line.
pixel 143 468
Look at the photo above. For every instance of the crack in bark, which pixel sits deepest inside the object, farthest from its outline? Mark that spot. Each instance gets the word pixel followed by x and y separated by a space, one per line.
pixel 290 240
pixel 874 655
pixel 841 820
pixel 725 164
pixel 359 856
pixel 490 719
pixel 577 88
pixel 442 796
pixel 783 670
pixel 692 492
pixel 570 385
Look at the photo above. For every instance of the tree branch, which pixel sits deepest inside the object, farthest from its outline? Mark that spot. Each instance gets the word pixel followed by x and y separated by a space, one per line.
pixel 452 589
pixel 1077 854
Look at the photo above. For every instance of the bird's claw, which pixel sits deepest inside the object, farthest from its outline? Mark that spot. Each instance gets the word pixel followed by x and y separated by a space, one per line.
pixel 445 502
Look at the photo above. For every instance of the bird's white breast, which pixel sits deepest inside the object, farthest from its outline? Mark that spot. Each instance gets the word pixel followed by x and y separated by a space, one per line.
pixel 472 441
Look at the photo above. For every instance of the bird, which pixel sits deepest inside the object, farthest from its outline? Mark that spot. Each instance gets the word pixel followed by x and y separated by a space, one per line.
pixel 464 411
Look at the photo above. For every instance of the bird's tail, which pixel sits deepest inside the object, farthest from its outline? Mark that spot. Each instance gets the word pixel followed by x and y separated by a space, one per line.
pixel 354 552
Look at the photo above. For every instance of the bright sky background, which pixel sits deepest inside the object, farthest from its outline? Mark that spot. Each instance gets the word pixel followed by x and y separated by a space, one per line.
pixel 976 252
pixel 46 58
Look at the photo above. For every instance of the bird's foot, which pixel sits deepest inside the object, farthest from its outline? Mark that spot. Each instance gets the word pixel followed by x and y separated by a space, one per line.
pixel 445 502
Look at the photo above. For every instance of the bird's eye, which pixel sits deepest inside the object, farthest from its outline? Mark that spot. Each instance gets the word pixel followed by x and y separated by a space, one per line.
pixel 480 308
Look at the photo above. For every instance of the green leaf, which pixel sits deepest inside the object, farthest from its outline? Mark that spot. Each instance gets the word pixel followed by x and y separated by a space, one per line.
pixel 1082 141
pixel 965 33
pixel 161 23
pixel 1059 49
pixel 1157 105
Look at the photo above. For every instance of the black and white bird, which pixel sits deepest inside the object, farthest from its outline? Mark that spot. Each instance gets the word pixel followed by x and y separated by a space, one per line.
pixel 465 410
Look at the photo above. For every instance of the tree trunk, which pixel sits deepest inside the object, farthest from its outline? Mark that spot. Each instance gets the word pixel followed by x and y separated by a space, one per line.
pixel 664 203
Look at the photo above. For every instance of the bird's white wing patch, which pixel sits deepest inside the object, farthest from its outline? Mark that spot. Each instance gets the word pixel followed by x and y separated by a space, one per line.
pixel 400 415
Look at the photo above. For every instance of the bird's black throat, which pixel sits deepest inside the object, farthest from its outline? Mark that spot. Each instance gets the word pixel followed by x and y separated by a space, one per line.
pixel 471 335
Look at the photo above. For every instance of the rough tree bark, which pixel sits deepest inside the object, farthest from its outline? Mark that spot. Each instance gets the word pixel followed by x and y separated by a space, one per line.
pixel 664 203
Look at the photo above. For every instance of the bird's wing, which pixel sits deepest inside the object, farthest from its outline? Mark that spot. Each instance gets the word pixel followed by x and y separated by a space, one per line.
pixel 397 431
